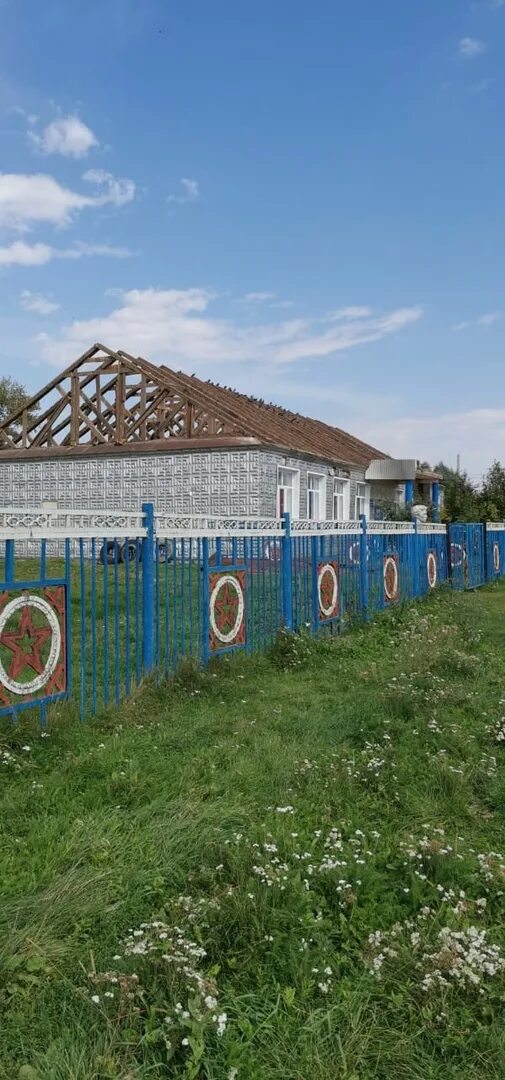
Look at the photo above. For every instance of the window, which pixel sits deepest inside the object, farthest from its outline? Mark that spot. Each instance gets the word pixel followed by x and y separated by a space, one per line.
pixel 362 500
pixel 340 500
pixel 316 497
pixel 288 488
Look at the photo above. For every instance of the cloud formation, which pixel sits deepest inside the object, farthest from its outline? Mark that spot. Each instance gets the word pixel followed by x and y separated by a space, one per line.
pixel 29 199
pixel 258 297
pixel 68 136
pixel 22 254
pixel 176 326
pixel 471 47
pixel 37 303
pixel 483 320
pixel 190 192
pixel 477 434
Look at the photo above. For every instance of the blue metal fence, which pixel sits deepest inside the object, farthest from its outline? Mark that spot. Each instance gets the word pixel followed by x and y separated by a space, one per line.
pixel 91 603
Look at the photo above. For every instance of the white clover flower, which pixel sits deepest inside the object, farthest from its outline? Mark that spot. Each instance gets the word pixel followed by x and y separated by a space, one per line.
pixel 221 1021
pixel 95 999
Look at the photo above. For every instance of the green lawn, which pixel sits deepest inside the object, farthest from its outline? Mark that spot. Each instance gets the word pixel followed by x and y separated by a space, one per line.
pixel 189 885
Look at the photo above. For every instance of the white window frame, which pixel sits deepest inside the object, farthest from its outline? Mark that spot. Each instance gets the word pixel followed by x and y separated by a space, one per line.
pixel 295 488
pixel 321 492
pixel 344 495
pixel 362 500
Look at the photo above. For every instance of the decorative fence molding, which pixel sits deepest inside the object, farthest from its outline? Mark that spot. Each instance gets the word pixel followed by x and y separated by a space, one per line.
pixel 91 601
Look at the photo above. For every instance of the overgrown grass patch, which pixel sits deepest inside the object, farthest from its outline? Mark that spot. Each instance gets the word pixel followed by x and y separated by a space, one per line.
pixel 282 868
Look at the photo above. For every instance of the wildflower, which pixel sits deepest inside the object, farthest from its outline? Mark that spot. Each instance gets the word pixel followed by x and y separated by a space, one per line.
pixel 27 748
pixel 221 1020
pixel 185 1042
pixel 95 999
pixel 211 1002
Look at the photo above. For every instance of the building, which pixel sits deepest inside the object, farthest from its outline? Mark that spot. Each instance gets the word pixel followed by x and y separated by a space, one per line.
pixel 113 431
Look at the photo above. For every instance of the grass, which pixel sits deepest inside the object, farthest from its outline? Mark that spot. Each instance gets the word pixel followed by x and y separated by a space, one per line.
pixel 278 811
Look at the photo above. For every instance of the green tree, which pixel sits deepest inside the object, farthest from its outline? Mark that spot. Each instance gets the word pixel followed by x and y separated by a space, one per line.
pixel 493 493
pixel 12 397
pixel 462 501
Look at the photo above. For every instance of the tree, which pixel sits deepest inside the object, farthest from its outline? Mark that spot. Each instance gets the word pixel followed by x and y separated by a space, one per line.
pixel 493 493
pixel 12 397
pixel 462 501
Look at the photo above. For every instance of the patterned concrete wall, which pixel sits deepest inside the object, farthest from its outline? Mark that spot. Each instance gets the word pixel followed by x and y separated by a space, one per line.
pixel 223 481
pixel 241 482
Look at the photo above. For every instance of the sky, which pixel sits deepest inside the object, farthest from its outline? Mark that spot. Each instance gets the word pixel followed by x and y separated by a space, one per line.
pixel 300 200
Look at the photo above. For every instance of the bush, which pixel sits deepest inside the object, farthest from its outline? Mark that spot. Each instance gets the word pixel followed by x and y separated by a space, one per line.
pixel 290 649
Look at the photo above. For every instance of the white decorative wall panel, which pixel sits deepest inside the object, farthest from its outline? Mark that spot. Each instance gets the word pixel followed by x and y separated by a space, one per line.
pixel 221 482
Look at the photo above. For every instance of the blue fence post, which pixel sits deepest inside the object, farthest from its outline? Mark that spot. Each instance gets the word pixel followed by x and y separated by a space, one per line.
pixel 315 598
pixel 415 573
pixel 363 567
pixel 205 599
pixel 9 561
pixel 148 588
pixel 287 574
pixel 488 562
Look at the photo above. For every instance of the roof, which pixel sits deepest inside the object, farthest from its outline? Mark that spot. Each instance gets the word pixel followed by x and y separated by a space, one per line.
pixel 108 399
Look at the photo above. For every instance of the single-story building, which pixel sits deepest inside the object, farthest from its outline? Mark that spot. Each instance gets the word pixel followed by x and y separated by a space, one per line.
pixel 113 431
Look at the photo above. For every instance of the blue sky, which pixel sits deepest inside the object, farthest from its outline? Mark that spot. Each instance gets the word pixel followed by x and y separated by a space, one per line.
pixel 301 200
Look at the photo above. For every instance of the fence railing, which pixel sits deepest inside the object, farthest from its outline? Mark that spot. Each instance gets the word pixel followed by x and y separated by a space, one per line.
pixel 92 601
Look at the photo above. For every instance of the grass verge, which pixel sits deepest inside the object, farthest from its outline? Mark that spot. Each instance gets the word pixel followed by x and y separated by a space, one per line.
pixel 285 868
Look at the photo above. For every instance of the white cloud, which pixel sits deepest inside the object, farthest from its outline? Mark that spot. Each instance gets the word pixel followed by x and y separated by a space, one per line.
pixel 174 325
pixel 258 297
pixel 68 136
pixel 26 199
pixel 191 192
pixel 37 302
pixel 476 434
pixel 22 254
pixel 471 47
pixel 349 313
pixel 483 320
pixel 117 192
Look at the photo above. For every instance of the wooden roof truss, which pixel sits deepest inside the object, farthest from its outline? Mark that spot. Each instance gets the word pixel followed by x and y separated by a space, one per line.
pixel 106 397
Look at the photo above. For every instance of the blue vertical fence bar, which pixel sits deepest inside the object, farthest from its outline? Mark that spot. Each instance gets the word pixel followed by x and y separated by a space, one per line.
pixel 287 574
pixel 205 600
pixel 416 564
pixel 148 605
pixel 363 568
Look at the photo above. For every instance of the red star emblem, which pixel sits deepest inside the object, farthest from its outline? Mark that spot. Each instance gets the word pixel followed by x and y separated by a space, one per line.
pixel 226 607
pixel 25 644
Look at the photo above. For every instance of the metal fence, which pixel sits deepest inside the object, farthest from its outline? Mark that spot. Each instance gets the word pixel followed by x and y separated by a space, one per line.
pixel 91 602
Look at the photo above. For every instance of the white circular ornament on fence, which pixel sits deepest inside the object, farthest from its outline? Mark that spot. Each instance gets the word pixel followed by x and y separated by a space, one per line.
pixel 431 566
pixel 390 588
pixel 458 555
pixel 40 680
pixel 229 637
pixel 327 609
pixel 496 557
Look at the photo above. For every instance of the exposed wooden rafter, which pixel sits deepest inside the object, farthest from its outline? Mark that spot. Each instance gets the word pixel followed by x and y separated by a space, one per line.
pixel 109 400
pixel 105 398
